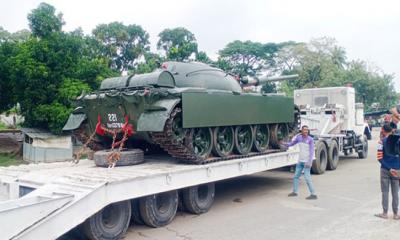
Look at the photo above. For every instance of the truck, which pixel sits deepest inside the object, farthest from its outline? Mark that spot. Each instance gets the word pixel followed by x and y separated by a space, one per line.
pixel 335 121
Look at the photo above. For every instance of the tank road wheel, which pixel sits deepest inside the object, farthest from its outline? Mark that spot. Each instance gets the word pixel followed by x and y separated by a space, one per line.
pixel 202 141
pixel 261 138
pixel 333 156
pixel 243 139
pixel 198 199
pixel 159 209
pixel 321 158
pixel 109 223
pixel 223 138
pixel 279 132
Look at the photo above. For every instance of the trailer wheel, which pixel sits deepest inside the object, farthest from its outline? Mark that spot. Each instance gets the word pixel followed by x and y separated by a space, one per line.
pixel 128 157
pixel 321 158
pixel 363 152
pixel 109 223
pixel 333 156
pixel 158 210
pixel 198 199
pixel 136 217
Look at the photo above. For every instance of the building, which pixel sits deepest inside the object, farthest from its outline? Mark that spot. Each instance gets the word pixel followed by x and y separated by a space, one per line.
pixel 42 146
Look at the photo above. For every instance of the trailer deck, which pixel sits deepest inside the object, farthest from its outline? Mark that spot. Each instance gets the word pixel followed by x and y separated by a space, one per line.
pixel 44 201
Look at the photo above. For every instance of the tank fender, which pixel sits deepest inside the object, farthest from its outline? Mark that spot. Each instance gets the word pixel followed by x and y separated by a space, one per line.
pixel 155 115
pixel 74 121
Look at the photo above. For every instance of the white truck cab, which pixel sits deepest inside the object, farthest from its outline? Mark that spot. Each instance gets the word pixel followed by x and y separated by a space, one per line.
pixel 335 120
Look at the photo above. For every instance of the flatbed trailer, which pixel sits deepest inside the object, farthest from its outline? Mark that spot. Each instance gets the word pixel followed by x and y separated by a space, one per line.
pixel 44 201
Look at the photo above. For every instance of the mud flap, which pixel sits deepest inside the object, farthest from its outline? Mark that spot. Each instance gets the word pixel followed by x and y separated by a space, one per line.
pixel 74 121
pixel 154 117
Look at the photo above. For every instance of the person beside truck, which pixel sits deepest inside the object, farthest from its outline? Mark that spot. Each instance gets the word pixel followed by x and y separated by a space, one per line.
pixel 306 144
pixel 389 175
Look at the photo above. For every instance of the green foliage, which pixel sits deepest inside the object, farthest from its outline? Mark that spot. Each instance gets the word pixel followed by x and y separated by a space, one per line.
pixel 179 43
pixel 70 89
pixel 51 116
pixel 202 57
pixel 7 85
pixel 248 58
pixel 2 126
pixel 43 21
pixel 122 45
pixel 322 63
pixel 152 62
pixel 44 73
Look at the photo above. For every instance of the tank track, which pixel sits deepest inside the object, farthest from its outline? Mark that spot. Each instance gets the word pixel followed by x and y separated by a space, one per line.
pixel 183 150
pixel 83 137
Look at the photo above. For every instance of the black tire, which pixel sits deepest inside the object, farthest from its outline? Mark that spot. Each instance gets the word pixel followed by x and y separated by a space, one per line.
pixel 333 156
pixel 128 157
pixel 109 223
pixel 136 217
pixel 159 209
pixel 363 152
pixel 321 158
pixel 198 199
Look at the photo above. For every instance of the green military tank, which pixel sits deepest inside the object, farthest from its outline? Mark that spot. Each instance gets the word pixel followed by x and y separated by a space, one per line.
pixel 195 112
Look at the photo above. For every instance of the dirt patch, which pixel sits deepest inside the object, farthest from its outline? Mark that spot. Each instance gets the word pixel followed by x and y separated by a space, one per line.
pixel 11 143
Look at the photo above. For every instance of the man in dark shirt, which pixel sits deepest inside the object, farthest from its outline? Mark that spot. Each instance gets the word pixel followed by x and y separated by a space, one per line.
pixel 390 164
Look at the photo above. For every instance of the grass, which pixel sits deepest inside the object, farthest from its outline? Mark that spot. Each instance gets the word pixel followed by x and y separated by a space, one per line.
pixel 9 160
pixel 2 126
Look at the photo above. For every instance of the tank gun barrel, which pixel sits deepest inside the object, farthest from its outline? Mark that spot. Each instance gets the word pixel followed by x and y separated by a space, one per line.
pixel 255 81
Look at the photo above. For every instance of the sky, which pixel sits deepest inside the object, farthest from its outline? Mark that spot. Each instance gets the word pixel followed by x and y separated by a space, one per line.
pixel 366 29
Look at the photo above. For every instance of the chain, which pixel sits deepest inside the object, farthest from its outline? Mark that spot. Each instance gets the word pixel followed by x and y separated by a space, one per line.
pixel 84 149
pixel 114 155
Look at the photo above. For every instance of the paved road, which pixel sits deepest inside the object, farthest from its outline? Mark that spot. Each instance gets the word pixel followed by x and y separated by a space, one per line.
pixel 257 207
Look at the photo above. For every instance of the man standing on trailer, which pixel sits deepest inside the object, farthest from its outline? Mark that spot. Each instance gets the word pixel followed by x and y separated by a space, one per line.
pixel 306 144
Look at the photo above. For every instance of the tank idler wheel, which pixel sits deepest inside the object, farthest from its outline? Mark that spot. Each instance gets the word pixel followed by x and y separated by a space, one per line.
pixel 202 141
pixel 279 132
pixel 321 158
pixel 158 210
pixel 178 132
pixel 243 139
pixel 198 199
pixel 223 138
pixel 333 156
pixel 261 138
pixel 109 223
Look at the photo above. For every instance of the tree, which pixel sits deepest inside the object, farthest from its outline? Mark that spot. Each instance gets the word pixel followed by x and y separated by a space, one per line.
pixel 322 63
pixel 318 63
pixel 151 62
pixel 202 57
pixel 249 58
pixel 51 70
pixel 179 43
pixel 123 45
pixel 7 86
pixel 43 21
